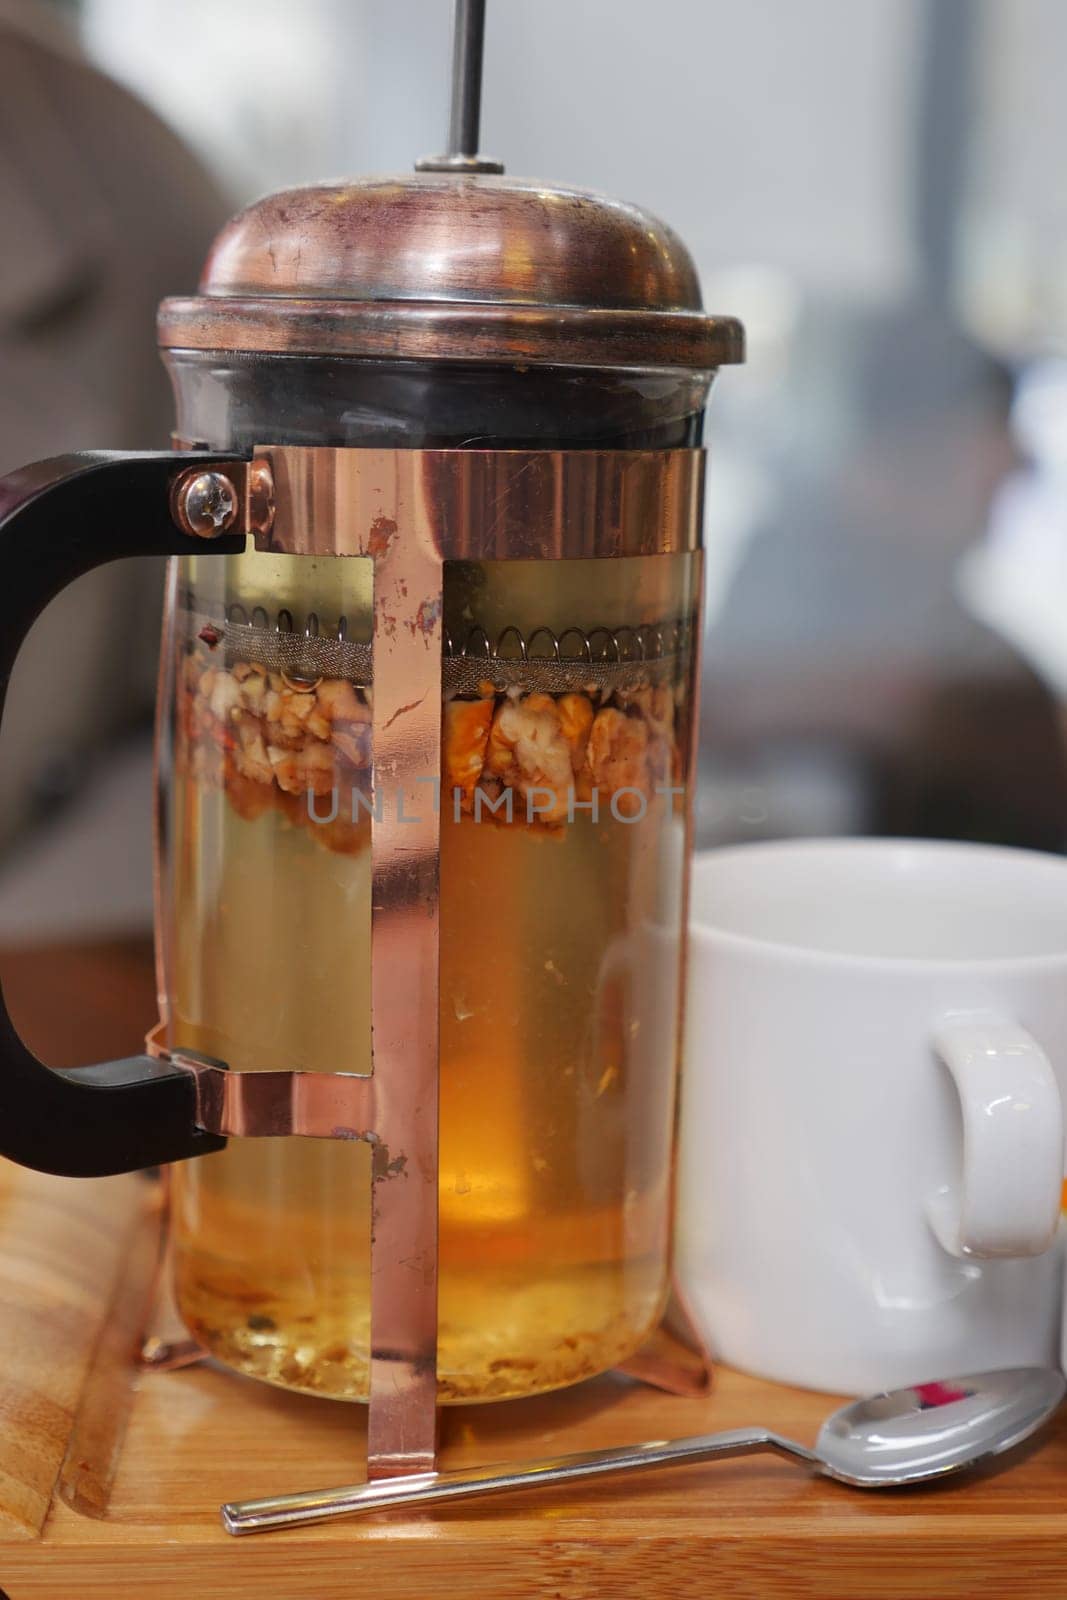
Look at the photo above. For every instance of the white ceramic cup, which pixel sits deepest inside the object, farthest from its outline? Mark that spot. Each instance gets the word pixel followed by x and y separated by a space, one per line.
pixel 871 1142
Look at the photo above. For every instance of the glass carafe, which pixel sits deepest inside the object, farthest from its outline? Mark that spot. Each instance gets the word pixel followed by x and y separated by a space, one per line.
pixel 562 792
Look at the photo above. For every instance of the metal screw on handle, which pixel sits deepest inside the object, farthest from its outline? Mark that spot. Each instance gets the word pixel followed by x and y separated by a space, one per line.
pixel 209 503
pixel 205 503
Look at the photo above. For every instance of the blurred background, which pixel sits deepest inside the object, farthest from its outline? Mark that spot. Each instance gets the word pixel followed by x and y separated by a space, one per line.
pixel 875 188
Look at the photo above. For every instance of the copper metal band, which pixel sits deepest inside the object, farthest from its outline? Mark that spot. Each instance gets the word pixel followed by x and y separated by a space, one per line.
pixel 271 1105
pixel 483 505
pixel 589 336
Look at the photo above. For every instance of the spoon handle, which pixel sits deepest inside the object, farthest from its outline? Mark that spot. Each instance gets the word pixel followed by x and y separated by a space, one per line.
pixel 317 1505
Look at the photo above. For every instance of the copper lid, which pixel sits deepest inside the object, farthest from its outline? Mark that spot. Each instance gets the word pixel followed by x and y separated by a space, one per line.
pixel 457 267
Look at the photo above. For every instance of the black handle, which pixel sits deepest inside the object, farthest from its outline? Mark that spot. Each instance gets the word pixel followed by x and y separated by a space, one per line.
pixel 58 519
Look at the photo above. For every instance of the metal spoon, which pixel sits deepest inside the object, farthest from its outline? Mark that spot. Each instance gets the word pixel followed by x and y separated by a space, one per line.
pixel 903 1437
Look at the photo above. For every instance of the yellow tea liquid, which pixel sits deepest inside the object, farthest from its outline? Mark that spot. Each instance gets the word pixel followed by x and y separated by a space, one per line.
pixel 555 1120
pixel 559 984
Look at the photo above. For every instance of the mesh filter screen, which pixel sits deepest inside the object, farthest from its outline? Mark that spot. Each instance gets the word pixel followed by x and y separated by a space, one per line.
pixel 597 660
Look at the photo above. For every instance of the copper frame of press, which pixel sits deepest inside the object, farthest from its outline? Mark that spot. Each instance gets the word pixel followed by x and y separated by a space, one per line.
pixel 410 511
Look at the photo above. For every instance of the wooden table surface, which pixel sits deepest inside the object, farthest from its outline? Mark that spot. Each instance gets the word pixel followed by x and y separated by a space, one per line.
pixel 110 1480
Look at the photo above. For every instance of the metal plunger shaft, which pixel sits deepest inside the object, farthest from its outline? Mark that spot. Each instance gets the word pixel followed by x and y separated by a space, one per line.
pixel 468 41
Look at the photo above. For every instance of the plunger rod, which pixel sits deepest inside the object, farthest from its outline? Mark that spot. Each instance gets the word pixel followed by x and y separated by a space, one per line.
pixel 468 40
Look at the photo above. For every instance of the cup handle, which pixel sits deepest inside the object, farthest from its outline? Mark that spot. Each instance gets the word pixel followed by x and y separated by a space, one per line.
pixel 1006 1201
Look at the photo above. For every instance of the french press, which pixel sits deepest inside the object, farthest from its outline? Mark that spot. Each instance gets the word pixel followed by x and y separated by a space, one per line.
pixel 424 754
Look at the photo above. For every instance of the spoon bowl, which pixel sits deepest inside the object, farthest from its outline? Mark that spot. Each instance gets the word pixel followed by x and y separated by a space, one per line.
pixel 912 1435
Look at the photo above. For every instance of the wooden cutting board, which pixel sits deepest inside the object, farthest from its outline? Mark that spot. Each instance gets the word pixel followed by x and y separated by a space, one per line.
pixel 111 1478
